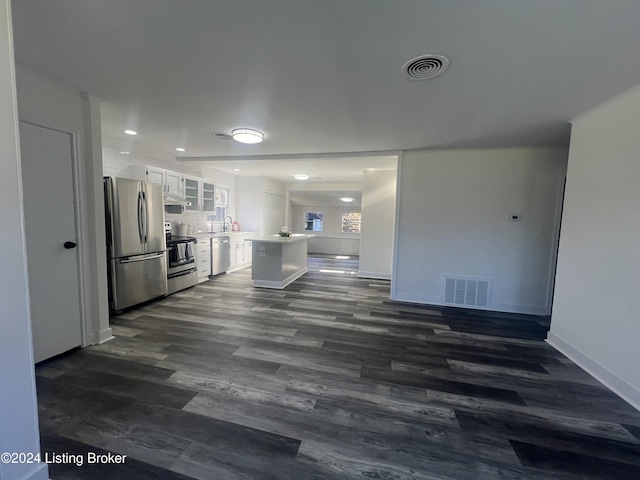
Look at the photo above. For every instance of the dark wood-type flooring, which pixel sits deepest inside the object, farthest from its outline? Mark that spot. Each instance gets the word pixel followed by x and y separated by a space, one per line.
pixel 329 379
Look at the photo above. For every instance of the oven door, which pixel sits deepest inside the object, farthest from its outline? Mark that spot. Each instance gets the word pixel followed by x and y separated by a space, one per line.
pixel 180 256
pixel 181 280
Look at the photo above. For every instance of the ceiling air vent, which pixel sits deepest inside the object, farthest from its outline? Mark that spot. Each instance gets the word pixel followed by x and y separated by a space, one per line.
pixel 222 136
pixel 425 67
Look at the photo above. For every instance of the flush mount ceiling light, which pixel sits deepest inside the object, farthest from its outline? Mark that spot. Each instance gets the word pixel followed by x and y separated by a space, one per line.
pixel 301 176
pixel 236 169
pixel 180 149
pixel 425 67
pixel 130 132
pixel 347 199
pixel 246 135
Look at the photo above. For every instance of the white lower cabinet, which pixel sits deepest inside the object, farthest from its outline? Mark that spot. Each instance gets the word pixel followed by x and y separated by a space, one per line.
pixel 240 250
pixel 203 259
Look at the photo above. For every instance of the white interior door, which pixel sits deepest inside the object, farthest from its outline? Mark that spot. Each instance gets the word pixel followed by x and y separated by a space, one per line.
pixel 50 222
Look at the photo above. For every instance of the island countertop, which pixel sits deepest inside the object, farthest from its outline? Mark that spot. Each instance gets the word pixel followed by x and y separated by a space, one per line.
pixel 278 239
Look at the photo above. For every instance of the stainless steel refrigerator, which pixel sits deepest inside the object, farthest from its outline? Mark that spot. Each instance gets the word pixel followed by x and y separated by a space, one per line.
pixel 136 242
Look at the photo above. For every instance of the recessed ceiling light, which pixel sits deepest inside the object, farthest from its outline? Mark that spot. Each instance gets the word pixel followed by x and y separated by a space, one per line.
pixel 124 152
pixel 180 149
pixel 130 132
pixel 247 135
pixel 347 199
pixel 236 169
pixel 301 176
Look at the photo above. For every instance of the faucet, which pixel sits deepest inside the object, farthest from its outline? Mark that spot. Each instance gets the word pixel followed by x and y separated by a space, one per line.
pixel 224 226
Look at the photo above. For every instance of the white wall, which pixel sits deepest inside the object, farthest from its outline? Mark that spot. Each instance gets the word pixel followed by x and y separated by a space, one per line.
pixel 18 410
pixel 274 212
pixel 453 210
pixel 595 311
pixel 250 203
pixel 44 102
pixel 378 223
pixel 256 198
pixel 273 217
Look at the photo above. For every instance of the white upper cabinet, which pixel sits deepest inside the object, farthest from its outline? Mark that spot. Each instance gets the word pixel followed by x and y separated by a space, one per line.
pixel 208 197
pixel 192 193
pixel 172 182
pixel 154 175
pixel 200 193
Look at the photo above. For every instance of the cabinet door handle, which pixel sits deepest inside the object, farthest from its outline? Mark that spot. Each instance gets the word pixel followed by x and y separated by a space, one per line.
pixel 69 245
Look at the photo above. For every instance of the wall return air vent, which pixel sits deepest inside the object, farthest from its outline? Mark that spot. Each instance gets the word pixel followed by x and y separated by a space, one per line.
pixel 467 291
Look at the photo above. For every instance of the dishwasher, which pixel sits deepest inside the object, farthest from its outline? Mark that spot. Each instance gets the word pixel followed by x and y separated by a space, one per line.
pixel 220 255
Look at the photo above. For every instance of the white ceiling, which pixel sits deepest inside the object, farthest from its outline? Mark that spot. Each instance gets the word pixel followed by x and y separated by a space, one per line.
pixel 322 77
pixel 320 170
pixel 326 199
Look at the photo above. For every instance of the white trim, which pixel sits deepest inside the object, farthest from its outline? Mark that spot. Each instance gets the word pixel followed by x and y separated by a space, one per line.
pixel 513 308
pixel 491 307
pixel 555 242
pixel 416 298
pixel 280 285
pixel 377 275
pixel 396 228
pixel 101 337
pixel 80 192
pixel 624 390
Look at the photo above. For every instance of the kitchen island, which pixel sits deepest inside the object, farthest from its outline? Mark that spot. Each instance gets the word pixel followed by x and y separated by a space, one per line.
pixel 278 261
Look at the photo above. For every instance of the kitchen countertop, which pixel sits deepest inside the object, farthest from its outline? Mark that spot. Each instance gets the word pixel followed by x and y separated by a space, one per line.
pixel 220 234
pixel 278 239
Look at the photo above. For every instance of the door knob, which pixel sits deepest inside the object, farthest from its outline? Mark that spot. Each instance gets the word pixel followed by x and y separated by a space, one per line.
pixel 69 245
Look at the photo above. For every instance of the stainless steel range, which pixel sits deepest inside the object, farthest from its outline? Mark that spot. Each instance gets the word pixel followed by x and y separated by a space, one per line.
pixel 182 270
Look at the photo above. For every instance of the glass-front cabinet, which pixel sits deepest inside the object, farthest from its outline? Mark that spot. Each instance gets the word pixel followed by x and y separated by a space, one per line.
pixel 192 193
pixel 208 197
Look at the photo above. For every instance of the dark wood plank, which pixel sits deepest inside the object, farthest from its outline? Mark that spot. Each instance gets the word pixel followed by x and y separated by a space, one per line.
pixel 329 379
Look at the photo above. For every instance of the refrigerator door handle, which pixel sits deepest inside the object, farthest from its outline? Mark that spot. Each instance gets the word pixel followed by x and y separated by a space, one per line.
pixel 145 218
pixel 142 258
pixel 140 225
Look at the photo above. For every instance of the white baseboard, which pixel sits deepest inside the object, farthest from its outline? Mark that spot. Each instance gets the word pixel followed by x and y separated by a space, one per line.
pixel 280 285
pixel 413 298
pixel 96 338
pixel 624 390
pixel 492 307
pixel 525 309
pixel 377 275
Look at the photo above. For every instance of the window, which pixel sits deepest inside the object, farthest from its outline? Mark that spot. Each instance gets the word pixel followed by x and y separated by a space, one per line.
pixel 313 221
pixel 351 222
pixel 221 196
